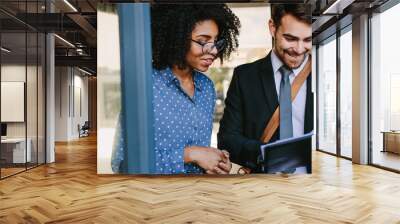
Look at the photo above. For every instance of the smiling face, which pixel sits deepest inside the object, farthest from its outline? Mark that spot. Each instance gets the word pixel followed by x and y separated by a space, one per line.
pixel 204 32
pixel 292 40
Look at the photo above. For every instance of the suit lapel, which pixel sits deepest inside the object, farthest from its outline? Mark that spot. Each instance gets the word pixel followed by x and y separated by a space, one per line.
pixel 268 81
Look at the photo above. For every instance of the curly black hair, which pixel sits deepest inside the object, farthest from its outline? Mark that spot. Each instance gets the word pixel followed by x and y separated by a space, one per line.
pixel 172 26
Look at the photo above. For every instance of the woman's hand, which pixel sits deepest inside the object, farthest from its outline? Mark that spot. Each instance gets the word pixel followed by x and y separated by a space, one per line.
pixel 212 160
pixel 224 166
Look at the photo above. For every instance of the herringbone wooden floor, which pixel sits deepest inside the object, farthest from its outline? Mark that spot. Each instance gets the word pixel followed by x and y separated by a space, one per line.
pixel 70 191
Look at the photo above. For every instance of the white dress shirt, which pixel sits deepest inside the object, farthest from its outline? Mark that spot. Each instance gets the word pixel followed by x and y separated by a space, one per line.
pixel 299 103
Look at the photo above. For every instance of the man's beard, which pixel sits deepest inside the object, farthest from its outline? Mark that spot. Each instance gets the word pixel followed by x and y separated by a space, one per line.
pixel 291 53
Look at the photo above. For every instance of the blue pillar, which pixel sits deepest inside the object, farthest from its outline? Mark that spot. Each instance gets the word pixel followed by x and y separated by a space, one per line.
pixel 136 88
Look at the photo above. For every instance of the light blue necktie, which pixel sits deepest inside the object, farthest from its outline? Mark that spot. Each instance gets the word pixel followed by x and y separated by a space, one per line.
pixel 285 104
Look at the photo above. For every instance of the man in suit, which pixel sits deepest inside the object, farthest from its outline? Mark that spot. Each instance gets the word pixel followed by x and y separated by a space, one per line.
pixel 258 88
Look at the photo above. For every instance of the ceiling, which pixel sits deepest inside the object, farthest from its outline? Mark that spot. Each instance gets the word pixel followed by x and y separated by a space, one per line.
pixel 73 21
pixel 329 16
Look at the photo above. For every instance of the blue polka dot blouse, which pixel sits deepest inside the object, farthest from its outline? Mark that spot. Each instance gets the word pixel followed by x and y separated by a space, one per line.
pixel 179 121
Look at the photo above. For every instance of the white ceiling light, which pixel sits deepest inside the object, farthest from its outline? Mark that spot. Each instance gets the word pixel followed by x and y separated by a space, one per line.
pixel 338 6
pixel 5 50
pixel 84 71
pixel 70 5
pixel 65 41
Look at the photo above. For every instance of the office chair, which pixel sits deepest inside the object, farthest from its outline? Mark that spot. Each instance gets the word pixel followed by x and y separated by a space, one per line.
pixel 84 130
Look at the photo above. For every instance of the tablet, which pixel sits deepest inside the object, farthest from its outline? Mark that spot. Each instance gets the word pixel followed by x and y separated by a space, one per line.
pixel 287 155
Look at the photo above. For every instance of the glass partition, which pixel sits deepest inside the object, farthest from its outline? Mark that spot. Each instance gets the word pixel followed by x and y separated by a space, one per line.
pixel 22 88
pixel 41 97
pixel 31 98
pixel 13 105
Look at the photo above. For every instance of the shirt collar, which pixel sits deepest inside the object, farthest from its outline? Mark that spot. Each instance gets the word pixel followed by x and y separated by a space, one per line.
pixel 172 79
pixel 277 63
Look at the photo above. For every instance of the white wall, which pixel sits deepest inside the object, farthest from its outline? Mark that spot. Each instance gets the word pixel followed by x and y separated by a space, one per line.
pixel 61 103
pixel 79 111
pixel 16 73
pixel 71 93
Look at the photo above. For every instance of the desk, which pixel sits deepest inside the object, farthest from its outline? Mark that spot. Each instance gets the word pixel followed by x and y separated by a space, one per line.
pixel 391 141
pixel 17 150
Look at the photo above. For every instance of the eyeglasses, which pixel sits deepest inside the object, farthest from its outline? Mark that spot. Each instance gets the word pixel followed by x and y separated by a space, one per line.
pixel 208 47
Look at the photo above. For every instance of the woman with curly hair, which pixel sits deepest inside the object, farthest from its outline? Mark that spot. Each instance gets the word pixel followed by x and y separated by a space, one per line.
pixel 186 39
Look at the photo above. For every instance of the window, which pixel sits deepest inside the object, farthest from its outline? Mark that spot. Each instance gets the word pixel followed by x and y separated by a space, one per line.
pixel 346 93
pixel 385 88
pixel 327 96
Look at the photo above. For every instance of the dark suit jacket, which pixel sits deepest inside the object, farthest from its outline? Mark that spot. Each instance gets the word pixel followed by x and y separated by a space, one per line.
pixel 251 101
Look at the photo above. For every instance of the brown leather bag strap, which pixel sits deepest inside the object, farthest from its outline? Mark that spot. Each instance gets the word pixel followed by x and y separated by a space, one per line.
pixel 273 123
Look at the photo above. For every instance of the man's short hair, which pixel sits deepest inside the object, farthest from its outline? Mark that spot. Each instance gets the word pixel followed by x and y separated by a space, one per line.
pixel 301 12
